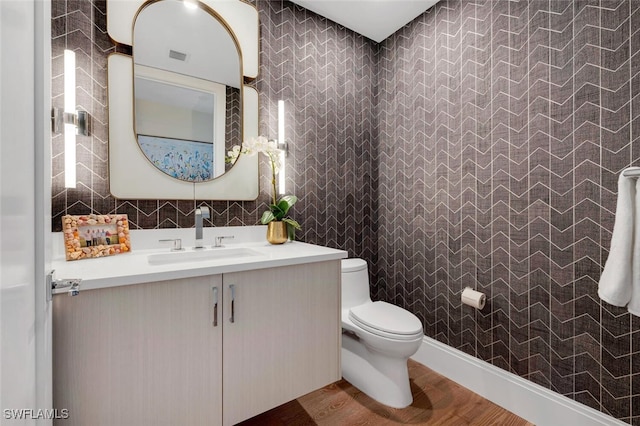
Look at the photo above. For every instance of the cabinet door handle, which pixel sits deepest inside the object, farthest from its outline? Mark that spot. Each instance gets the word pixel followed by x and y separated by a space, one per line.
pixel 215 306
pixel 232 288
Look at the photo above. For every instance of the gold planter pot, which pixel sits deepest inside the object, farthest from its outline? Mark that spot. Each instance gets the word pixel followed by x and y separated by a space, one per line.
pixel 277 232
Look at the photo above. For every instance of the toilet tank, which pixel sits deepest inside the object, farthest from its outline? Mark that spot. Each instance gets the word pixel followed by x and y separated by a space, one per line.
pixel 355 283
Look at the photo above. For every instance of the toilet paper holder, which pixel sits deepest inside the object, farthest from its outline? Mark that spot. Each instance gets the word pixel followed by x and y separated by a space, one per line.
pixel 473 298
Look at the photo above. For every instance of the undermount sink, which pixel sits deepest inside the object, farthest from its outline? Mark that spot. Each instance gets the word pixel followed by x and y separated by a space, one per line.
pixel 191 255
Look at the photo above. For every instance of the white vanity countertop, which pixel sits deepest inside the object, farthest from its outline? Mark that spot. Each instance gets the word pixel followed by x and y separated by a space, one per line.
pixel 135 268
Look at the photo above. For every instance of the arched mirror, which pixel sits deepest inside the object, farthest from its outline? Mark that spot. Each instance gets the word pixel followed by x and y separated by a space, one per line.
pixel 187 89
pixel 179 103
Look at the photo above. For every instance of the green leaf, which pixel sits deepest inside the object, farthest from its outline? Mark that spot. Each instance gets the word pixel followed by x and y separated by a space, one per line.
pixel 286 202
pixel 292 223
pixel 284 207
pixel 277 211
pixel 290 199
pixel 267 217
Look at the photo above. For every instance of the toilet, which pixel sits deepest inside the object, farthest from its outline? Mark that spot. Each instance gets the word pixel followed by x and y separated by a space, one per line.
pixel 377 340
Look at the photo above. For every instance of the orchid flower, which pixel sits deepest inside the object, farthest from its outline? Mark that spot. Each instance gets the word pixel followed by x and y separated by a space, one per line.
pixel 277 209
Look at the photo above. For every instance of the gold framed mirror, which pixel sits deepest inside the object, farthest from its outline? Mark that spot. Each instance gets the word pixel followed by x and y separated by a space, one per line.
pixel 187 87
pixel 188 103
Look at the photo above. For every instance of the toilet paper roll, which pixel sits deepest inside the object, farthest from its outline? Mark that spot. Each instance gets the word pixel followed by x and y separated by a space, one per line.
pixel 473 298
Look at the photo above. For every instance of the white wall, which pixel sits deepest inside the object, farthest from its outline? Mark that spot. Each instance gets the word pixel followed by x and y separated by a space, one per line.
pixel 159 119
pixel 42 223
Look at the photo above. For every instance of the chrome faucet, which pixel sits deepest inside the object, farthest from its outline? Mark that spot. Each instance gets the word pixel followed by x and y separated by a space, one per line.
pixel 202 212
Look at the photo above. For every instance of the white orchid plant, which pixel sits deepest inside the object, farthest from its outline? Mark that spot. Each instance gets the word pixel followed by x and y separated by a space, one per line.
pixel 278 209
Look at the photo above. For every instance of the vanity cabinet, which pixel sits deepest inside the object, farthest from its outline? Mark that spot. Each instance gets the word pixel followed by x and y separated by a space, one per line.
pixel 284 340
pixel 156 354
pixel 138 355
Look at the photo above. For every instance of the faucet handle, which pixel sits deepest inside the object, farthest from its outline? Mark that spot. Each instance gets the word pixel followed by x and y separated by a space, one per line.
pixel 177 243
pixel 220 238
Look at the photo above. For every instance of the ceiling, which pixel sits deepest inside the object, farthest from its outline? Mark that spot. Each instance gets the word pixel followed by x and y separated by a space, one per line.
pixel 375 19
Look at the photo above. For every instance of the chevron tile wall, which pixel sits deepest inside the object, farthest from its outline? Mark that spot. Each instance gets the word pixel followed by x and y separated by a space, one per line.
pixel 326 76
pixel 478 146
pixel 503 128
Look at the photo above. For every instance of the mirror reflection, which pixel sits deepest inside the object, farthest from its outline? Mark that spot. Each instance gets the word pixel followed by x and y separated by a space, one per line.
pixel 187 90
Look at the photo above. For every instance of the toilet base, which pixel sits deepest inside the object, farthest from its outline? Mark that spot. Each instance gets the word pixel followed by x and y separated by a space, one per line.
pixel 383 378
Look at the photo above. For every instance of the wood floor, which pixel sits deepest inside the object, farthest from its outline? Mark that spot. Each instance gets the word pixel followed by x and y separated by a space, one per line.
pixel 436 401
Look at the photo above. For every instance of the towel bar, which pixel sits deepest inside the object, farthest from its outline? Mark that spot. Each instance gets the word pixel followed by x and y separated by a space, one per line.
pixel 632 173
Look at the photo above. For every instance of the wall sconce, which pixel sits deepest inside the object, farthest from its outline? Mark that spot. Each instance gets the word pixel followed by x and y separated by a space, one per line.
pixel 75 122
pixel 282 145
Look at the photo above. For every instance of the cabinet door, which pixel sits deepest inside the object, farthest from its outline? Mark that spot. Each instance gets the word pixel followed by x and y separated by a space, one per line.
pixel 145 354
pixel 284 339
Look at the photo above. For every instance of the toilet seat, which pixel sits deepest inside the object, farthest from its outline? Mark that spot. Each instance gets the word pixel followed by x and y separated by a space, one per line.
pixel 386 320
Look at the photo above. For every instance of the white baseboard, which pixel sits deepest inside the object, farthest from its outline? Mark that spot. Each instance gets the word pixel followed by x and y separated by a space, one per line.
pixel 528 400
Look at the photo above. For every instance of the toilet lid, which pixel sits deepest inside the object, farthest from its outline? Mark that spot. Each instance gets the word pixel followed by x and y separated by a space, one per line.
pixel 387 318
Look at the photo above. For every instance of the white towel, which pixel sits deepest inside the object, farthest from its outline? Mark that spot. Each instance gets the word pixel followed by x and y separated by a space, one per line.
pixel 634 303
pixel 616 281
